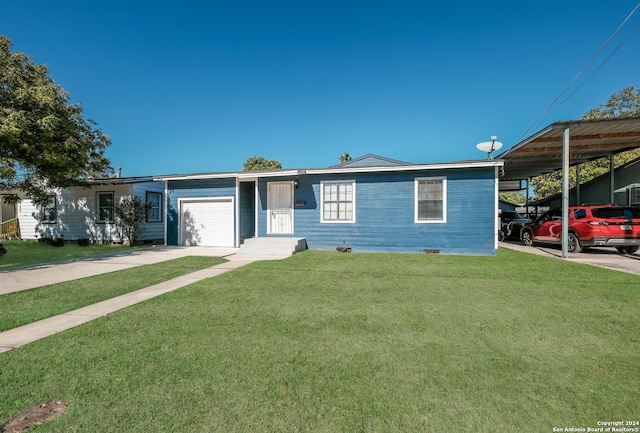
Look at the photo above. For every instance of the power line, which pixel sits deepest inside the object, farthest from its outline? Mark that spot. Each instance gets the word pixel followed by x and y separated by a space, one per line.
pixel 537 121
pixel 594 72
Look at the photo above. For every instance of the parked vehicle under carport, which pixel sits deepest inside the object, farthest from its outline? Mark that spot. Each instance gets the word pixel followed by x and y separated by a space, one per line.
pixel 603 226
pixel 511 224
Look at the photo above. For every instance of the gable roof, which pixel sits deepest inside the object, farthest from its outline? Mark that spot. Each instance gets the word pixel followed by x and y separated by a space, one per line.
pixel 370 160
pixel 339 169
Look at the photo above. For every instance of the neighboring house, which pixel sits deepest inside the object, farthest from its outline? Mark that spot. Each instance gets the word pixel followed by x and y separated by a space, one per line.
pixel 87 212
pixel 505 205
pixel 9 228
pixel 7 211
pixel 598 190
pixel 366 204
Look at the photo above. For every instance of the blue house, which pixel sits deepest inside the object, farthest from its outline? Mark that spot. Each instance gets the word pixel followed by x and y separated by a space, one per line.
pixel 367 204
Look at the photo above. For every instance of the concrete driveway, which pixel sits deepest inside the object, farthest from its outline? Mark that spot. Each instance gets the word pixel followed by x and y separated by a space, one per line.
pixel 49 273
pixel 29 277
pixel 602 257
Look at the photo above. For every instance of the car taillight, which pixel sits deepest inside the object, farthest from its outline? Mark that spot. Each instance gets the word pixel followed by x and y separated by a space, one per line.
pixel 598 223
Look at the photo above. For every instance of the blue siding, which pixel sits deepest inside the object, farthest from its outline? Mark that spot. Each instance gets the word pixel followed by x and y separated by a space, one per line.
pixel 385 213
pixel 247 210
pixel 193 189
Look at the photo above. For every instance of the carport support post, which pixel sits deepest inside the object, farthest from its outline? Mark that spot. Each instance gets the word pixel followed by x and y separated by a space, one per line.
pixel 612 178
pixel 565 192
pixel 578 201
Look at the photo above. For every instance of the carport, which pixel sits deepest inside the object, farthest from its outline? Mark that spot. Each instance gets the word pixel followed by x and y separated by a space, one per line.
pixel 569 143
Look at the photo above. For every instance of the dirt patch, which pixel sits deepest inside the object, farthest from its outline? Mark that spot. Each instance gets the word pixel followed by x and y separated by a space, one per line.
pixel 35 415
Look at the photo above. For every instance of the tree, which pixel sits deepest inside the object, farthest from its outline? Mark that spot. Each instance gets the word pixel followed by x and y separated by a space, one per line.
pixel 130 213
pixel 44 139
pixel 259 163
pixel 515 197
pixel 625 103
pixel 345 157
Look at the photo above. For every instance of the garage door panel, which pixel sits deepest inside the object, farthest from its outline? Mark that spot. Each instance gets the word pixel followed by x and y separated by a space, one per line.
pixel 207 222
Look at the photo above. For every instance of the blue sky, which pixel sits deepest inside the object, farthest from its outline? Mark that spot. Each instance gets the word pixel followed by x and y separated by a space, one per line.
pixel 198 86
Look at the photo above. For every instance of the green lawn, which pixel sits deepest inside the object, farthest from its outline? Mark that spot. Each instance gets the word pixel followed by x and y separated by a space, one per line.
pixel 20 308
pixel 23 253
pixel 332 342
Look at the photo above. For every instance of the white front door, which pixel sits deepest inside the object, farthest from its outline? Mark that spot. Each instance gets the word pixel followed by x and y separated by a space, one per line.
pixel 280 208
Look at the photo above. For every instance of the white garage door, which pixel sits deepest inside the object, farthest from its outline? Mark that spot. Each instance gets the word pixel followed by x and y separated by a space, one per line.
pixel 207 222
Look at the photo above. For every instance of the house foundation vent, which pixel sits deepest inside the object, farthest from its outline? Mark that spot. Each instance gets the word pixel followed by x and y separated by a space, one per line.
pixel 430 251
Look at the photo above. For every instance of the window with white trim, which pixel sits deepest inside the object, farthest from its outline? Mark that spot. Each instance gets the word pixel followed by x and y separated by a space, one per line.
pixel 154 213
pixel 48 213
pixel 104 210
pixel 634 196
pixel 431 200
pixel 338 201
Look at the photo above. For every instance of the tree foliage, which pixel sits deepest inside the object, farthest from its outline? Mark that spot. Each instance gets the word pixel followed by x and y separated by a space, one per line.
pixel 260 163
pixel 44 139
pixel 345 157
pixel 625 103
pixel 515 197
pixel 130 213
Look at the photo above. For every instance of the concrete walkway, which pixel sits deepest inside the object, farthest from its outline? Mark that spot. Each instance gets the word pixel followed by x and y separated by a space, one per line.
pixel 41 275
pixel 30 277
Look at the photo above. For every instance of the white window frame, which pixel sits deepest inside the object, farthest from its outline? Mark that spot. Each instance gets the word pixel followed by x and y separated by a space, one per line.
pixel 353 201
pixel 98 207
pixel 442 220
pixel 158 208
pixel 634 196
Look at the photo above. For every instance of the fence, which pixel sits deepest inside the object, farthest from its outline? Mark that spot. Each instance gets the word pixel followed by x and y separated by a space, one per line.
pixel 10 229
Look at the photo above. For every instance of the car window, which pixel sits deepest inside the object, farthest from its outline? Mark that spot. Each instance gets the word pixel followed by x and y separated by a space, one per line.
pixel 608 212
pixel 632 212
pixel 547 216
pixel 510 216
pixel 580 213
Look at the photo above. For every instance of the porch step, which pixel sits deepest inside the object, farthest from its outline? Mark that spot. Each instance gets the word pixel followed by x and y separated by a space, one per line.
pixel 273 246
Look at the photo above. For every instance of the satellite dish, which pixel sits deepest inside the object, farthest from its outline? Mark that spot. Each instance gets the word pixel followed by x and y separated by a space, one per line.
pixel 489 146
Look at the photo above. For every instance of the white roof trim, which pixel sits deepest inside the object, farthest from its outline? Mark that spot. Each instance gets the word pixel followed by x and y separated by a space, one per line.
pixel 413 167
pixel 197 176
pixel 239 175
pixel 246 175
pixel 256 174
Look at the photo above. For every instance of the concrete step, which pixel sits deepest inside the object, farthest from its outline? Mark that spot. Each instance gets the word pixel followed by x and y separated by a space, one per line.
pixel 282 246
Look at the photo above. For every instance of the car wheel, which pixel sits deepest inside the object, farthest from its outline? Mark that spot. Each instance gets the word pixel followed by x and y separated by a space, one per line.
pixel 574 244
pixel 628 250
pixel 527 238
pixel 501 236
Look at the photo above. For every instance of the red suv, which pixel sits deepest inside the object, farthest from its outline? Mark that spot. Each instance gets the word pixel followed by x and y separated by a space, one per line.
pixel 589 226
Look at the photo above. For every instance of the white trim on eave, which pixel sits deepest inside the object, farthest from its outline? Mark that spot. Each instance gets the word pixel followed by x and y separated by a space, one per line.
pixel 197 176
pixel 413 167
pixel 249 175
pixel 253 175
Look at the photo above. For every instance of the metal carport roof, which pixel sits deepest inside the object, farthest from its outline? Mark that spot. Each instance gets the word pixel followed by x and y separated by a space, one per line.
pixel 588 140
pixel 564 144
